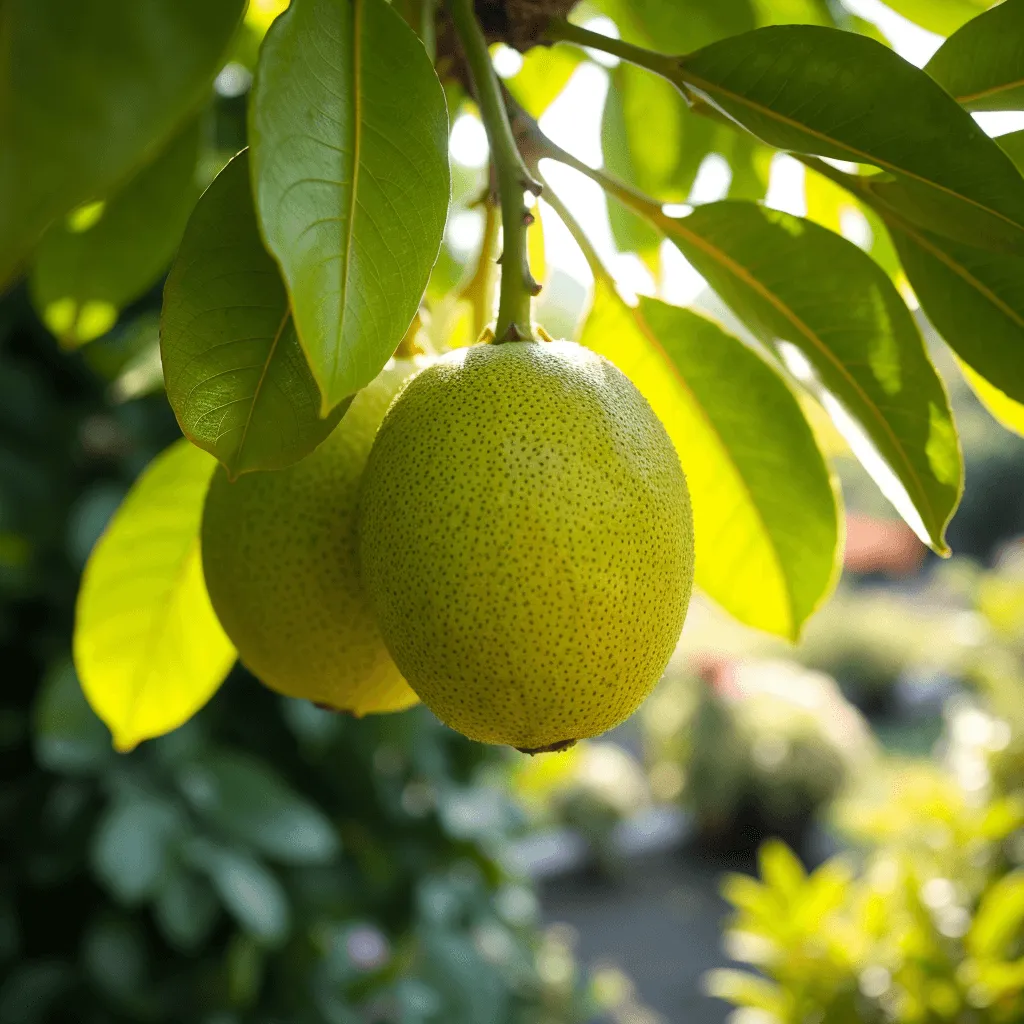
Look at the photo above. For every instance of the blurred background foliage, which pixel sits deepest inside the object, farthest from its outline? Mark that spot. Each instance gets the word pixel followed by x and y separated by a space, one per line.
pixel 272 862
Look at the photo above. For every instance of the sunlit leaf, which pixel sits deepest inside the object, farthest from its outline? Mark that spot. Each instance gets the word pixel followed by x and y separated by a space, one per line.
pixel 781 869
pixel 837 94
pixel 83 275
pixel 90 91
pixel 939 16
pixel 982 65
pixel 1004 409
pixel 349 136
pixel 148 648
pixel 996 928
pixel 235 374
pixel 767 553
pixel 745 989
pixel 790 280
pixel 545 73
pixel 662 26
pixel 631 232
pixel 794 12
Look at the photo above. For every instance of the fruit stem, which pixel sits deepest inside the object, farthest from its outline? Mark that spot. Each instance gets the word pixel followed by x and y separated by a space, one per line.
pixel 559 30
pixel 517 284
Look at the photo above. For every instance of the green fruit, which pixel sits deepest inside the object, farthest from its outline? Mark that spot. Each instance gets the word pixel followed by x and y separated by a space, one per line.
pixel 279 554
pixel 527 542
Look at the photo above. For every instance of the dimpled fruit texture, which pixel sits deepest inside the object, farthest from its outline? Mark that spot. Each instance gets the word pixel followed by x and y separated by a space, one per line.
pixel 527 542
pixel 279 554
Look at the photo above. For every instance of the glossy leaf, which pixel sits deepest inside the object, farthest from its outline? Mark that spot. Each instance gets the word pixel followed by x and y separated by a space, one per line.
pixel 975 299
pixel 349 137
pixel 837 94
pixel 91 91
pixel 766 553
pixel 1002 408
pixel 105 255
pixel 148 647
pixel 235 374
pixel 790 280
pixel 982 65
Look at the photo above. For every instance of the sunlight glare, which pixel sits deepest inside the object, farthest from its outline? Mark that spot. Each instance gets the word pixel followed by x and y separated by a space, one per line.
pixel 606 27
pixel 468 142
pixel 786 186
pixel 713 180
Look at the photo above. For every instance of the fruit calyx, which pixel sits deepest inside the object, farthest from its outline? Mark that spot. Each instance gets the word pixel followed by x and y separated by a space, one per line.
pixel 551 748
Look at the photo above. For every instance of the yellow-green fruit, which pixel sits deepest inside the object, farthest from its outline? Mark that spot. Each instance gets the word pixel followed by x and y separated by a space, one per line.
pixel 527 542
pixel 280 558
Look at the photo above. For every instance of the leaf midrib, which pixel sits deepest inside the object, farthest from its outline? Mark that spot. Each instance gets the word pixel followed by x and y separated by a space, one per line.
pixel 994 90
pixel 357 114
pixel 695 81
pixel 673 226
pixel 259 387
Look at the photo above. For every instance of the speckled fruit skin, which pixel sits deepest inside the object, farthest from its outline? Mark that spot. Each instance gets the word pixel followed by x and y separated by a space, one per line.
pixel 527 542
pixel 279 555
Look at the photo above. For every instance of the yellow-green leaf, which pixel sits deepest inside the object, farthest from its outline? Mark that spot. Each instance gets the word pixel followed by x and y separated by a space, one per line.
pixel 765 552
pixel 1003 408
pixel 148 647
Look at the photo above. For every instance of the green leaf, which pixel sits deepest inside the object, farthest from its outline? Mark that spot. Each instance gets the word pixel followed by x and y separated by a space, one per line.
pixel 249 891
pixel 132 847
pixel 235 374
pixel 767 553
pixel 256 807
pixel 1002 408
pixel 982 65
pixel 631 232
pixel 91 91
pixel 781 870
pixel 939 16
pixel 837 94
pixel 185 909
pixel 664 163
pixel 660 25
pixel 1012 144
pixel 790 280
pixel 105 255
pixel 745 989
pixel 69 738
pixel 148 647
pixel 974 298
pixel 349 137
pixel 545 73
pixel 999 919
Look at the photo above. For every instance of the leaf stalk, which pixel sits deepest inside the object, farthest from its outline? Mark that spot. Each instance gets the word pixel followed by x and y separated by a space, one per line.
pixel 517 284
